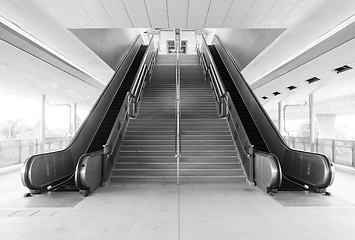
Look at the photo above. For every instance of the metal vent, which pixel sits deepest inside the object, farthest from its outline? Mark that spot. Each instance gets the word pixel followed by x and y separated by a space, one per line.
pixel 276 93
pixel 312 80
pixel 264 97
pixel 291 87
pixel 342 69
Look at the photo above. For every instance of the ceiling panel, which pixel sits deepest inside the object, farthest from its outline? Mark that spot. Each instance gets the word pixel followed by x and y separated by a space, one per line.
pixel 157 13
pixel 117 13
pixel 217 13
pixel 159 20
pixel 196 21
pixel 197 13
pixel 55 10
pixel 137 12
pixel 74 9
pixel 237 13
pixel 98 13
pixel 257 13
pixel 177 13
pixel 215 21
pixel 274 17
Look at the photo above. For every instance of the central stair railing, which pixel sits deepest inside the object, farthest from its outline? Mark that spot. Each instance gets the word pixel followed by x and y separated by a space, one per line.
pixel 211 73
pixel 178 121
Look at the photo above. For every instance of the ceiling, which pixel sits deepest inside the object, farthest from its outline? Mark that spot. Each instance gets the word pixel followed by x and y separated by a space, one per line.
pixel 289 59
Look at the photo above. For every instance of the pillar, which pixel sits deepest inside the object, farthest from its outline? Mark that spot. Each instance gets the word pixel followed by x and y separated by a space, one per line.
pixel 42 133
pixel 311 121
pixel 280 121
pixel 75 121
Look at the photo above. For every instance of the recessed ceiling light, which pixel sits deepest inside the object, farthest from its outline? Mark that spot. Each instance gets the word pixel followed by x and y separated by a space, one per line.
pixel 291 87
pixel 312 80
pixel 342 69
pixel 264 97
pixel 276 93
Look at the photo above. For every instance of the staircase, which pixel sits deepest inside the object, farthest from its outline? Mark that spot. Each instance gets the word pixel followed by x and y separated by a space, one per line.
pixel 148 149
pixel 208 150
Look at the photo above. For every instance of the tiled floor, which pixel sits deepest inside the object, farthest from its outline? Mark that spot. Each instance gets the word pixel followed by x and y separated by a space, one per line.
pixel 190 211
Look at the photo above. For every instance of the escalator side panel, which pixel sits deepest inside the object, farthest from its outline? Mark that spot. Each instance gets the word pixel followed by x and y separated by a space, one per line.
pixel 311 169
pixel 42 170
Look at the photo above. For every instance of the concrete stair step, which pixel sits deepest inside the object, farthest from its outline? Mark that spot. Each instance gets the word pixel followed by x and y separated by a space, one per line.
pixel 149 142
pixel 139 137
pixel 212 138
pixel 147 154
pixel 151 148
pixel 208 153
pixel 173 165
pixel 147 159
pixel 173 179
pixel 211 159
pixel 151 132
pixel 173 172
pixel 212 142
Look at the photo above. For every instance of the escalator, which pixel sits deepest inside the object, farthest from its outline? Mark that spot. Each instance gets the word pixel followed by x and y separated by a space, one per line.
pixel 55 171
pixel 111 115
pixel 248 123
pixel 299 169
pixel 108 121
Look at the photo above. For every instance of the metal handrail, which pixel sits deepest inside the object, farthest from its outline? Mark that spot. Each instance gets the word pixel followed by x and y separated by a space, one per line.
pixel 210 71
pixel 214 71
pixel 144 74
pixel 177 121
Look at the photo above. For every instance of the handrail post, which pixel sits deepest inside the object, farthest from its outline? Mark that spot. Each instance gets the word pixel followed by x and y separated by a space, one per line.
pixel 333 150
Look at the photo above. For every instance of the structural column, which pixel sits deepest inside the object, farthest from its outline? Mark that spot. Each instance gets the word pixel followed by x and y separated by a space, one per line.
pixel 42 133
pixel 311 121
pixel 74 119
pixel 280 122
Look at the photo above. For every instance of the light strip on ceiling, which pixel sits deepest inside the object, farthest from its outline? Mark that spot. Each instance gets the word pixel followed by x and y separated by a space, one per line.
pixel 27 35
pixel 330 33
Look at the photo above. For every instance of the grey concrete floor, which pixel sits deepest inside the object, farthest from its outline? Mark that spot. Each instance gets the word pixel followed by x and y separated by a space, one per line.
pixel 189 211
